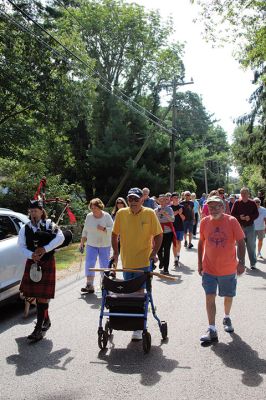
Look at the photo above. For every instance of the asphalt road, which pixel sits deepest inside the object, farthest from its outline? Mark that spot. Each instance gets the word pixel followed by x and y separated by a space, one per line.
pixel 68 365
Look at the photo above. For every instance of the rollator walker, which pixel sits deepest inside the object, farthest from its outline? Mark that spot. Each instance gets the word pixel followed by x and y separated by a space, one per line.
pixel 127 310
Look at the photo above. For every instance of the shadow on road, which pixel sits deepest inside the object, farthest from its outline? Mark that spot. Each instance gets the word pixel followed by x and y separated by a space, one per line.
pixel 12 314
pixel 256 273
pixel 186 270
pixel 132 360
pixel 92 300
pixel 33 357
pixel 239 355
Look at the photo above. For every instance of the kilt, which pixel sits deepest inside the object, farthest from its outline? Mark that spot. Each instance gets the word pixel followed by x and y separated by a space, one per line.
pixel 46 287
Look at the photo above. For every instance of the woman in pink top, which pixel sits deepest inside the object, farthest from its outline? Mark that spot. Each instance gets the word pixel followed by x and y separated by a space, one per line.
pixel 205 209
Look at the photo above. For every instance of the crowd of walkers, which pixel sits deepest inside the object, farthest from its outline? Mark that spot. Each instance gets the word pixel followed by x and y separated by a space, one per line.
pixel 142 228
pixel 179 216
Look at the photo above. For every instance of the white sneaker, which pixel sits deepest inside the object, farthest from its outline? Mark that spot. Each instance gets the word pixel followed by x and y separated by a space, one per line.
pixel 136 335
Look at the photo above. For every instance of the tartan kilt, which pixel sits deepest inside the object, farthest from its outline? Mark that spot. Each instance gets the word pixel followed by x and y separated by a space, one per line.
pixel 46 287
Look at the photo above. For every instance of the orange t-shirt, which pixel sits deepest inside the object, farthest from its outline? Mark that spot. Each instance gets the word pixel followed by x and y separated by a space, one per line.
pixel 219 240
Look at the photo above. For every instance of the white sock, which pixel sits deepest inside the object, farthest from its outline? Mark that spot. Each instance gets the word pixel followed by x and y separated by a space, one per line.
pixel 212 327
pixel 226 316
pixel 178 254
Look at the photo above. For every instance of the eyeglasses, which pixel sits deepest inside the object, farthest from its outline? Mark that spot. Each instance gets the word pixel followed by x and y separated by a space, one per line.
pixel 217 207
pixel 133 198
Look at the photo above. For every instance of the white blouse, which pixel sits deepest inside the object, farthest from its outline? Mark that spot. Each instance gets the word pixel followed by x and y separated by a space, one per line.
pixel 94 236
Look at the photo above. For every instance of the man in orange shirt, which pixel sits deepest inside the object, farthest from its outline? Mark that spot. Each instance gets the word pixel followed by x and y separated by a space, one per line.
pixel 217 262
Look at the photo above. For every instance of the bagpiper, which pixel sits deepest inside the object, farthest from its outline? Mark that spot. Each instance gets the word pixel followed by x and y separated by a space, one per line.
pixel 38 240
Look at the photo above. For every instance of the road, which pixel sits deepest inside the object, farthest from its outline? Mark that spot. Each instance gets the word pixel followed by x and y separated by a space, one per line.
pixel 68 365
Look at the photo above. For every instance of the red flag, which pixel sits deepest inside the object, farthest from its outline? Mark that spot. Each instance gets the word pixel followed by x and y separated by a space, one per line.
pixel 41 186
pixel 71 216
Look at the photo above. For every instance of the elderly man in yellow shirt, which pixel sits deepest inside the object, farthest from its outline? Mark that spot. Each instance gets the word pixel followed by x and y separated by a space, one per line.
pixel 140 237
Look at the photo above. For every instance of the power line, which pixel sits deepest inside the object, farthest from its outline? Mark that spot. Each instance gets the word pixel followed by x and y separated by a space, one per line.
pixel 143 111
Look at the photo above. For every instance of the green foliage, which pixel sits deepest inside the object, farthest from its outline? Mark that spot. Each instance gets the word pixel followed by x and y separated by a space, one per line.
pixel 242 23
pixel 73 121
pixel 252 178
pixel 249 149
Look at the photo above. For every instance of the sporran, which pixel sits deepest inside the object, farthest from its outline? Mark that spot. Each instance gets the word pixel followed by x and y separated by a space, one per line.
pixel 35 272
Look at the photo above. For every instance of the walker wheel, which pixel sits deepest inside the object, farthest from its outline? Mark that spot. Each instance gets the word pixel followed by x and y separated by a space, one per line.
pixel 164 330
pixel 102 340
pixel 146 342
pixel 107 328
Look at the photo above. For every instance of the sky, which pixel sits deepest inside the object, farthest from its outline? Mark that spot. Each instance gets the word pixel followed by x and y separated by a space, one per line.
pixel 218 78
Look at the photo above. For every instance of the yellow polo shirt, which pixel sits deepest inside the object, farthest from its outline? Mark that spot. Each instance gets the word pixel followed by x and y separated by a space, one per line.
pixel 136 233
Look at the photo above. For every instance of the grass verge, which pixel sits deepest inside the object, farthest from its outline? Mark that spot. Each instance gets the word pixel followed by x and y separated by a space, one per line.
pixel 67 256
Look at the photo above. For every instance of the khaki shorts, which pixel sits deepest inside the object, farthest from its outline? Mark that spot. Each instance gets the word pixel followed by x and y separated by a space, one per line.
pixel 260 234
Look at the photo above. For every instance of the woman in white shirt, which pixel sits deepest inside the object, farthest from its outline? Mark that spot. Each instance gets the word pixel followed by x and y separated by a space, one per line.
pixel 97 232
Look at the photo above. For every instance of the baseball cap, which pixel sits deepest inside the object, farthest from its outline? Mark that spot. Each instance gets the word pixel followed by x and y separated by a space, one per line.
pixel 174 194
pixel 214 199
pixel 135 192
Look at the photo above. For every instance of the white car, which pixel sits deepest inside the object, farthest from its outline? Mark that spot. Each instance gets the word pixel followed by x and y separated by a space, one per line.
pixel 12 262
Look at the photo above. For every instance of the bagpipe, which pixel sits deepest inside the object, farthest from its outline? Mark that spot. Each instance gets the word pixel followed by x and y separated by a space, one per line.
pixel 60 208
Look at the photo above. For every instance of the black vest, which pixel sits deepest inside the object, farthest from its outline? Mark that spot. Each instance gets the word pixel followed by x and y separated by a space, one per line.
pixel 40 238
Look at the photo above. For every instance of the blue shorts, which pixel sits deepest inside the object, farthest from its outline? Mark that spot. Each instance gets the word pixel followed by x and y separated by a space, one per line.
pixel 179 235
pixel 132 275
pixel 226 284
pixel 188 226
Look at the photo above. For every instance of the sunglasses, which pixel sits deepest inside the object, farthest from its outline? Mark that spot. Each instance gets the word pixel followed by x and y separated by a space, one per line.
pixel 119 202
pixel 133 198
pixel 221 192
pixel 257 202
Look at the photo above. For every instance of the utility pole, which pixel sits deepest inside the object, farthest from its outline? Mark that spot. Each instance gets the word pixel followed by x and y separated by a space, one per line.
pixel 175 84
pixel 205 178
pixel 173 138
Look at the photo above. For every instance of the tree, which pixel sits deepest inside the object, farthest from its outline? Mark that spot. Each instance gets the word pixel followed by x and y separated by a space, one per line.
pixel 249 149
pixel 242 23
pixel 132 62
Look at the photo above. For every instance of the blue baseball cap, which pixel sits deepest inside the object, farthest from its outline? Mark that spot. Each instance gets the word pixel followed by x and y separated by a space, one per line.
pixel 135 192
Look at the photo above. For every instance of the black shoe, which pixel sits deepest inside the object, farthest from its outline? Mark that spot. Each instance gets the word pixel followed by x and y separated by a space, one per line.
pixel 165 273
pixel 227 323
pixel 36 335
pixel 176 263
pixel 211 336
pixel 185 244
pixel 46 325
pixel 88 289
pixel 190 246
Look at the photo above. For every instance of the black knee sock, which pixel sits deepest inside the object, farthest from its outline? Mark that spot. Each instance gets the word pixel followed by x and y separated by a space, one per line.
pixel 46 314
pixel 41 307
